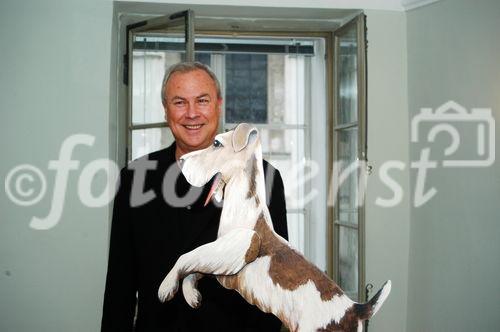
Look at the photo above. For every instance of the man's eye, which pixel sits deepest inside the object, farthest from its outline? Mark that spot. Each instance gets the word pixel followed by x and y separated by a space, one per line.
pixel 203 101
pixel 217 144
pixel 179 103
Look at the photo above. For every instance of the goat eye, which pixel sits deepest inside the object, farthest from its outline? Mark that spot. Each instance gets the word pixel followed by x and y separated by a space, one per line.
pixel 217 144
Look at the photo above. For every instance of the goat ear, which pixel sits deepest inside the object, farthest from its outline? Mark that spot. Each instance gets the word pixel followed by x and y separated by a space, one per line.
pixel 243 135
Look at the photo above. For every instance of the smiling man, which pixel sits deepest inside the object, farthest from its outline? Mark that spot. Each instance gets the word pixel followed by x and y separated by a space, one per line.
pixel 147 239
pixel 192 102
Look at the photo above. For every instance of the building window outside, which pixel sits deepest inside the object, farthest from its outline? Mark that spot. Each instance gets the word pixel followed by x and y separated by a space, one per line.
pixel 246 88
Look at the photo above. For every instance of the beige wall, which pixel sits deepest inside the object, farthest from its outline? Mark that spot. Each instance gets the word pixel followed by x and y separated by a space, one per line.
pixel 54 82
pixel 453 54
pixel 387 228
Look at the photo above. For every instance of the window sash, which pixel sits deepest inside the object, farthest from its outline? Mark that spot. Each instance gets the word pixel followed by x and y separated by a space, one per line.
pixel 340 125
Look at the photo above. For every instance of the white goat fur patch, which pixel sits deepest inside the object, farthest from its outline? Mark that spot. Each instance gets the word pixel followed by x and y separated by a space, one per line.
pixel 302 315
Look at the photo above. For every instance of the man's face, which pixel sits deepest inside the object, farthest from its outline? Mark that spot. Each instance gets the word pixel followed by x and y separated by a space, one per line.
pixel 192 110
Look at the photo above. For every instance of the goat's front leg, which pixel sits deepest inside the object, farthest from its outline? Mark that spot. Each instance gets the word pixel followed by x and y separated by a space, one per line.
pixel 225 256
pixel 190 291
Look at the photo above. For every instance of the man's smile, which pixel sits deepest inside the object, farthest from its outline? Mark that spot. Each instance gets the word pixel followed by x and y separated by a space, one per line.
pixel 193 127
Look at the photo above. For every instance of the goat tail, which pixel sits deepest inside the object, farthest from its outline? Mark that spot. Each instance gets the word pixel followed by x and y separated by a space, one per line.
pixel 367 310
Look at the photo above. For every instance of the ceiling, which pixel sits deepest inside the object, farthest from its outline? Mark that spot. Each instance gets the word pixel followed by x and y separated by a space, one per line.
pixel 242 15
pixel 393 5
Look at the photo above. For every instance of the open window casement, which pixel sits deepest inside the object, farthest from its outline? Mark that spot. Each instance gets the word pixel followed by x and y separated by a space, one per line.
pixel 349 158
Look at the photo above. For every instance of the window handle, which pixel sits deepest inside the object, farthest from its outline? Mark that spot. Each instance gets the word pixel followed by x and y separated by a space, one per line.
pixel 369 169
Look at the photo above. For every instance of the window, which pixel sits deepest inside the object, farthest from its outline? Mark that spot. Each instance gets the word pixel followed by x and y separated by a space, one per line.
pixel 349 152
pixel 296 92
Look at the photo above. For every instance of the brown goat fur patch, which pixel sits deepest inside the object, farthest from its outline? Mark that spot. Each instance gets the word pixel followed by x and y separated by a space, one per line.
pixel 288 268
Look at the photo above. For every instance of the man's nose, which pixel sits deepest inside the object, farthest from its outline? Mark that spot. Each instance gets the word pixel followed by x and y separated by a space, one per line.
pixel 191 112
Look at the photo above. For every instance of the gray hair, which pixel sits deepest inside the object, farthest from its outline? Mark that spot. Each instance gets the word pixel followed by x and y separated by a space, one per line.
pixel 186 67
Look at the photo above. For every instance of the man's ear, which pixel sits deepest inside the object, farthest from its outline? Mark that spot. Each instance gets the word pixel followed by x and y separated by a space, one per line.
pixel 219 104
pixel 243 135
pixel 165 112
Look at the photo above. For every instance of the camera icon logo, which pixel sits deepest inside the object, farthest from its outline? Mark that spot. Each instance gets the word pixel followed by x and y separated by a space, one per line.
pixel 450 116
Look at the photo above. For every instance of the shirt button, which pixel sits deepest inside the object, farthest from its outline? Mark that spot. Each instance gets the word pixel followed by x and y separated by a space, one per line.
pixel 188 207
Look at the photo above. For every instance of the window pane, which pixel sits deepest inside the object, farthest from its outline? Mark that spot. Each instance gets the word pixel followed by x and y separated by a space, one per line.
pixel 347 198
pixel 203 58
pixel 148 70
pixel 284 149
pixel 348 216
pixel 348 259
pixel 286 89
pixel 295 223
pixel 145 141
pixel 347 77
pixel 285 92
pixel 246 88
pixel 198 56
pixel 347 145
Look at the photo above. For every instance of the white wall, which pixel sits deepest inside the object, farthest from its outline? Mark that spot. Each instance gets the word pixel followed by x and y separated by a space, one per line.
pixel 453 54
pixel 54 82
pixel 387 229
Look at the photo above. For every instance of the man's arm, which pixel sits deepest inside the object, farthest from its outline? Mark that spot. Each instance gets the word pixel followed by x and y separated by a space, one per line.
pixel 120 292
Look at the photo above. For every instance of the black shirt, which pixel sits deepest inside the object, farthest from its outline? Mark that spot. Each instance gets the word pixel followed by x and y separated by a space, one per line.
pixel 148 236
